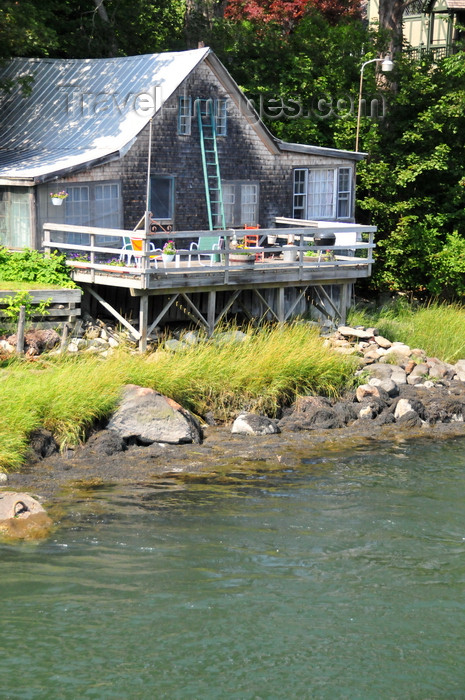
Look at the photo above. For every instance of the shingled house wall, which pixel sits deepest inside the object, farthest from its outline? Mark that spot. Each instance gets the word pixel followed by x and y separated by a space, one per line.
pixel 243 155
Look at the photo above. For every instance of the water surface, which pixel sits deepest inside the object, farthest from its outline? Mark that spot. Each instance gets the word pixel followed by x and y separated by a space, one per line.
pixel 343 578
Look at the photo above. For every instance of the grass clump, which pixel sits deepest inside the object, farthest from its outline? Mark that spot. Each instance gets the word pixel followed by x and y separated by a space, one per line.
pixel 269 369
pixel 438 329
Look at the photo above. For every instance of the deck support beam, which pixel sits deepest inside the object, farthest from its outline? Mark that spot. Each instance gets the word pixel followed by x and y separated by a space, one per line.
pixel 211 312
pixel 143 321
pixel 135 333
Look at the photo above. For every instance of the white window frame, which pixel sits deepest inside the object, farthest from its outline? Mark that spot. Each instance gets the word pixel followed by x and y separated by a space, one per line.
pixel 241 199
pixel 221 116
pixel 184 115
pixel 88 212
pixel 321 193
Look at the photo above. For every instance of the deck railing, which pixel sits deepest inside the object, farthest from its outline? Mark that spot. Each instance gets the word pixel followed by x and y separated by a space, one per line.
pixel 354 246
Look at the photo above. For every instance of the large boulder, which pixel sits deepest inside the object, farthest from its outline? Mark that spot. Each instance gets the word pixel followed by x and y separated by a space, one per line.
pixel 144 416
pixel 22 516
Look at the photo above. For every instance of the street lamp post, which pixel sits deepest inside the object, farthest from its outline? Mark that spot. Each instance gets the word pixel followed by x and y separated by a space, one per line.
pixel 386 65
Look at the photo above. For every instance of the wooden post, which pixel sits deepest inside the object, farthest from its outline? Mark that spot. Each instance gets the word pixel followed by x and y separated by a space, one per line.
pixel 281 309
pixel 211 309
pixel 20 331
pixel 92 257
pixel 64 337
pixel 46 243
pixel 143 321
pixel 345 301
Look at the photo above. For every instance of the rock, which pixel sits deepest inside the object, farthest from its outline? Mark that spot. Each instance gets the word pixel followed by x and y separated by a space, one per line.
pixel 37 341
pixel 105 442
pixel 191 337
pixel 409 419
pixel 459 368
pixel 387 385
pixel 399 351
pixel 144 416
pixel 5 346
pixel 93 332
pixel 417 374
pixel 230 337
pixel 372 356
pixel 371 407
pixel 309 413
pixel 42 443
pixel 253 424
pixel 402 406
pixel 3 477
pixel 345 411
pixel 440 370
pixel 175 345
pixel 398 376
pixel 349 332
pixel 366 412
pixel 22 516
pixel 382 342
pixel 369 390
pixel 381 371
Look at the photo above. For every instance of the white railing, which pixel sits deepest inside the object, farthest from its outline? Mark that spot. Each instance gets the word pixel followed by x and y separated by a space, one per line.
pixel 347 251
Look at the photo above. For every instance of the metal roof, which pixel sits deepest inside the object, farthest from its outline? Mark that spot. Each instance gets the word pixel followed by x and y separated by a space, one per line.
pixel 82 111
pixel 455 4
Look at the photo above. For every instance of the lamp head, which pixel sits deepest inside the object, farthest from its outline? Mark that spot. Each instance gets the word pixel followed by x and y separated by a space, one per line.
pixel 387 65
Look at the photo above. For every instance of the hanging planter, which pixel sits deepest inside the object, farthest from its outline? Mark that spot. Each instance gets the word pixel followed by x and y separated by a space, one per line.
pixel 58 197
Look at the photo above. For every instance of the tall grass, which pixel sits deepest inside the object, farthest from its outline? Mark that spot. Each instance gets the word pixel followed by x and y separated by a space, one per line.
pixel 267 370
pixel 439 329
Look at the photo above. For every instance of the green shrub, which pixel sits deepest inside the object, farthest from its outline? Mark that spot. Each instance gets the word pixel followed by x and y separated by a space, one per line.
pixel 32 266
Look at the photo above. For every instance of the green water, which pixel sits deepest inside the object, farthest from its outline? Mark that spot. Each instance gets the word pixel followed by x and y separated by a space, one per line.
pixel 344 578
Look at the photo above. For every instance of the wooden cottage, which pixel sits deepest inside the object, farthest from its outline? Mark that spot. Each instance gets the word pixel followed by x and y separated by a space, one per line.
pixel 84 126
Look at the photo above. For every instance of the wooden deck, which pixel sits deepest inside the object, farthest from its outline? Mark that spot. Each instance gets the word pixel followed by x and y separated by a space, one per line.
pixel 186 275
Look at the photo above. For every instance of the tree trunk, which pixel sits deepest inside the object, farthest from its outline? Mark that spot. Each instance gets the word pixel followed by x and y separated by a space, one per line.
pixel 391 14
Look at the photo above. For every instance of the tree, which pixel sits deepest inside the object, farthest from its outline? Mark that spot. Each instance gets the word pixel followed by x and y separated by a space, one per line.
pixel 413 185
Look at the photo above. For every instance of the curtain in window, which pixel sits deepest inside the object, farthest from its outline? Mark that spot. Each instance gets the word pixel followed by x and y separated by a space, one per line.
pixel 321 194
pixel 15 217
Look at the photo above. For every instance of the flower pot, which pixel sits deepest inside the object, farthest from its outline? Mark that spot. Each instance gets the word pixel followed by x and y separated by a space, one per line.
pixel 57 201
pixel 241 259
pixel 289 253
pixel 167 257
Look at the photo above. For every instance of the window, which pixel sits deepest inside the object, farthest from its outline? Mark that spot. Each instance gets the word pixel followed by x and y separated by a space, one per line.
pixel 162 197
pixel 322 193
pixel 240 201
pixel 221 116
pixel 184 115
pixel 93 204
pixel 15 217
pixel 107 205
pixel 77 210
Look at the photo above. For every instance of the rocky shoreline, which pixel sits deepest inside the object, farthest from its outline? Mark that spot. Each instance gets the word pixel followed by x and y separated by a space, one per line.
pixel 404 395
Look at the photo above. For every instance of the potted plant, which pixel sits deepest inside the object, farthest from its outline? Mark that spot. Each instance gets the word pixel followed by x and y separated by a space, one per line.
pixel 323 256
pixel 58 197
pixel 168 252
pixel 242 255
